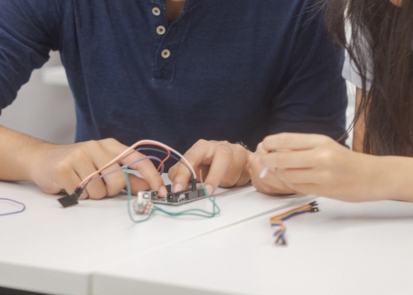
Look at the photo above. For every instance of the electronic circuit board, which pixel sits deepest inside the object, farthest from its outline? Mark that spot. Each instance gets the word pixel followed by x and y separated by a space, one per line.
pixel 179 198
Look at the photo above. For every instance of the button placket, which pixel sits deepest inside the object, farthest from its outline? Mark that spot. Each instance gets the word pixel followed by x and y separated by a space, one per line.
pixel 166 53
pixel 156 11
pixel 160 30
pixel 169 38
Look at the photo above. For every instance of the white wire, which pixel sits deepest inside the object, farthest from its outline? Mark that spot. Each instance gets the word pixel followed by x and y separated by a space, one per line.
pixel 133 147
pixel 176 152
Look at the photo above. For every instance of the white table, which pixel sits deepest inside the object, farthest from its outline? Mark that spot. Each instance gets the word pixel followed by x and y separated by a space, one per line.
pixel 344 249
pixel 54 250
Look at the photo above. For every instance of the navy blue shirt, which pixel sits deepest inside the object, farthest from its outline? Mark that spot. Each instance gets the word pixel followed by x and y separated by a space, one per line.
pixel 233 70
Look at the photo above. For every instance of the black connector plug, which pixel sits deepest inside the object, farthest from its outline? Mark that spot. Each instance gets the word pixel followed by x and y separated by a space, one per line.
pixel 193 183
pixel 71 199
pixel 281 241
pixel 314 207
pixel 277 233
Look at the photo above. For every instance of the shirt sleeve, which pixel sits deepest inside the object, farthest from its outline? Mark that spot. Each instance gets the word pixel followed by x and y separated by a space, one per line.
pixel 29 29
pixel 313 98
pixel 351 74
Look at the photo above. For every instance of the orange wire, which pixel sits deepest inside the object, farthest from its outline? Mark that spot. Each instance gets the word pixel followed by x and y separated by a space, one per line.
pixel 274 218
pixel 121 156
pixel 164 160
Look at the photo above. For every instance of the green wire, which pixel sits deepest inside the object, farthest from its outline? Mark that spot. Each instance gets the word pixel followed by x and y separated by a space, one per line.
pixel 215 209
pixel 190 212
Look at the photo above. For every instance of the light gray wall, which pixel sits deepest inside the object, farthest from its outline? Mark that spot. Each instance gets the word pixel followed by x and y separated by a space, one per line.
pixel 43 111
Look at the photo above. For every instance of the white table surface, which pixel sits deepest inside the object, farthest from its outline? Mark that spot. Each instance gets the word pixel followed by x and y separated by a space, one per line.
pixel 346 248
pixel 54 250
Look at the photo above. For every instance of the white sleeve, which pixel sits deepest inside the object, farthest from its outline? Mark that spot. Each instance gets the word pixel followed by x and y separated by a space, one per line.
pixel 351 74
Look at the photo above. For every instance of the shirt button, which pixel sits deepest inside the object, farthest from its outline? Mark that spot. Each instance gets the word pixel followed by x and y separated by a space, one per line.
pixel 166 53
pixel 156 11
pixel 160 30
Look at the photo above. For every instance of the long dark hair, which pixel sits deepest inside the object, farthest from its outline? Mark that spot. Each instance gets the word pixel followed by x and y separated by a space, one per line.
pixel 387 32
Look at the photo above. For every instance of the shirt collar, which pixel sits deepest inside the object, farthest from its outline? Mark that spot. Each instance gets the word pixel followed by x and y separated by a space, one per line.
pixel 188 5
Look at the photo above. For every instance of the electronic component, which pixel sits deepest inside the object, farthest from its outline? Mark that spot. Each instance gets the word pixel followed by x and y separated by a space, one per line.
pixel 143 203
pixel 145 200
pixel 179 198
pixel 278 220
pixel 72 199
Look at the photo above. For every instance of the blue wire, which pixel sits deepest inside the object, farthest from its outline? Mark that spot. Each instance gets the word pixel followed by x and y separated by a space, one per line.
pixel 14 212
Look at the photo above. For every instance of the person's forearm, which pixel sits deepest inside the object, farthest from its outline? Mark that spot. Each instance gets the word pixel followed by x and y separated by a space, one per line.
pixel 17 152
pixel 397 178
pixel 54 168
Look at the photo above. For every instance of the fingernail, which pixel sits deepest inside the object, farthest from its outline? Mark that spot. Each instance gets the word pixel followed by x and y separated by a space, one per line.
pixel 177 187
pixel 264 172
pixel 209 189
pixel 162 192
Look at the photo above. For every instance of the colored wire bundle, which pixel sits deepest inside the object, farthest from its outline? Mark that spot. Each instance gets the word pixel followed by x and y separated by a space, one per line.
pixel 13 212
pixel 190 212
pixel 278 220
pixel 74 197
pixel 97 174
pixel 126 166
pixel 71 200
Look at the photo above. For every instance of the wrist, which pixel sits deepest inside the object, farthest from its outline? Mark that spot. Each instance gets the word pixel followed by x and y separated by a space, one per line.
pixel 34 157
pixel 398 174
pixel 18 154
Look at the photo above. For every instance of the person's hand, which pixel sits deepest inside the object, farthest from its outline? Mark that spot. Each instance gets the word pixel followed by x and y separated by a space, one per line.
pixel 270 184
pixel 222 164
pixel 62 167
pixel 316 164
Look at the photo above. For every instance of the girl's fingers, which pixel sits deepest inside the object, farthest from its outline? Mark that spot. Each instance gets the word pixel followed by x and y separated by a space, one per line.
pixel 293 141
pixel 288 160
pixel 269 184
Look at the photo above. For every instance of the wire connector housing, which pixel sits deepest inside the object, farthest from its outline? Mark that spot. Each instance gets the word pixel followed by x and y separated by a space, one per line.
pixel 72 199
pixel 143 204
pixel 192 193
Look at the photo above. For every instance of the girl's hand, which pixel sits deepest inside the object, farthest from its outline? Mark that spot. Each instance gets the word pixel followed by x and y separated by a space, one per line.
pixel 270 184
pixel 316 164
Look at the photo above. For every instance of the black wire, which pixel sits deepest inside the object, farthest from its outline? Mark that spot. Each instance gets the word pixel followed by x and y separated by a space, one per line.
pixel 160 151
pixel 175 157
